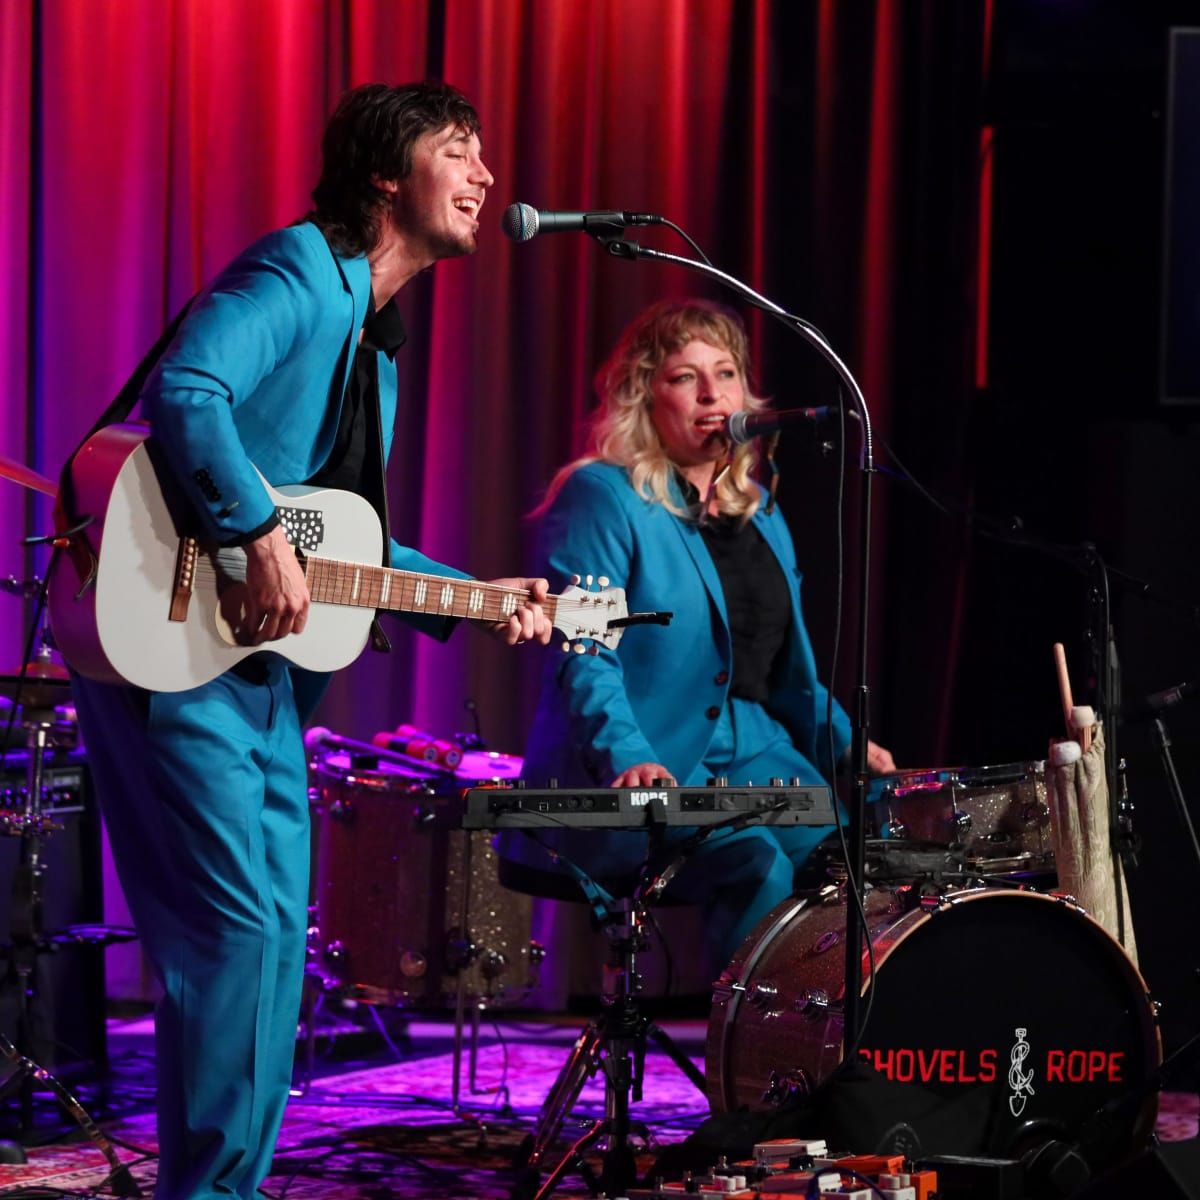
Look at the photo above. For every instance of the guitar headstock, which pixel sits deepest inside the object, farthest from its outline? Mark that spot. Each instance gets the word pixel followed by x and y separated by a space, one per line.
pixel 585 615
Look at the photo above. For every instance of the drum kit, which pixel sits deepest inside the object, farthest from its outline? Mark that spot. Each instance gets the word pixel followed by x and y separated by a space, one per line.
pixel 40 693
pixel 1001 1015
pixel 409 909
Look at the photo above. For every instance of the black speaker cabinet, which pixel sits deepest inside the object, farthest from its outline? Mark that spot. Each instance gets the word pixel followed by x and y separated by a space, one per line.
pixel 68 1008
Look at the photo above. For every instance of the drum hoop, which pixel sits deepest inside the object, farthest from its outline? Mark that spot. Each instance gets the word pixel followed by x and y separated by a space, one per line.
pixel 746 970
pixel 374 779
pixel 933 780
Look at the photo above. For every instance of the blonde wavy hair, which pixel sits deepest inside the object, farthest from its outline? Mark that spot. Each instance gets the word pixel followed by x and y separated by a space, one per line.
pixel 622 431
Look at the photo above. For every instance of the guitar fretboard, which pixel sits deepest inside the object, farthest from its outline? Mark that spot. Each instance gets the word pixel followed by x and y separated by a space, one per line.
pixel 334 582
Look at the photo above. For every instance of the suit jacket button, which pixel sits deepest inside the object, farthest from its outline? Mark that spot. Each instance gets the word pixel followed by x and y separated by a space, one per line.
pixel 721 677
pixel 712 712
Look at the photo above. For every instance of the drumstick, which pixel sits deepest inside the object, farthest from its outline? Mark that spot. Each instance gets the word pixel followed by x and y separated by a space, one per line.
pixel 1064 686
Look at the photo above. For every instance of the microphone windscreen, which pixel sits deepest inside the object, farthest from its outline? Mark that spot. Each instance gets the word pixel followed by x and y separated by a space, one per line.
pixel 520 222
pixel 316 737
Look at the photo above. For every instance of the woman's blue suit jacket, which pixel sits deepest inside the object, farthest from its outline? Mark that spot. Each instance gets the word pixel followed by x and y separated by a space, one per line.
pixel 655 698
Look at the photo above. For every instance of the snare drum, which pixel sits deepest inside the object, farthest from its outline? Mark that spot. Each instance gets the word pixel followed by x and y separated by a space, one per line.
pixel 406 900
pixel 999 1017
pixel 996 817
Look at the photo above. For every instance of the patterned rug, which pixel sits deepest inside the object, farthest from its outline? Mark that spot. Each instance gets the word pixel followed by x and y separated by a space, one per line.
pixel 389 1131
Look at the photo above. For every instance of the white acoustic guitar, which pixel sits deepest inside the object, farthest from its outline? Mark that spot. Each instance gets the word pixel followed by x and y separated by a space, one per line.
pixel 156 610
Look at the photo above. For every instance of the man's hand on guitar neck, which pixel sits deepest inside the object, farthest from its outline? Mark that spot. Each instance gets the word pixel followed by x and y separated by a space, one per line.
pixel 529 623
pixel 276 599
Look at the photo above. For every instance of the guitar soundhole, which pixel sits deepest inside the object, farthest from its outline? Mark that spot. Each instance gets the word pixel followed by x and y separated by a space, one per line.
pixel 303 527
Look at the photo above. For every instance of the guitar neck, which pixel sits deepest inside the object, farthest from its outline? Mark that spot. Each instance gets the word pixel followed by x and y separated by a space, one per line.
pixel 360 586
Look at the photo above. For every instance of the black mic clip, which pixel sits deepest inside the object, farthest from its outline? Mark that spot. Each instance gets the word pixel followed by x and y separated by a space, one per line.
pixel 615 244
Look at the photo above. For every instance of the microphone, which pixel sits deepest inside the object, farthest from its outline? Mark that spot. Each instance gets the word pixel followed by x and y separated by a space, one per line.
pixel 521 222
pixel 742 426
pixel 1151 706
pixel 320 738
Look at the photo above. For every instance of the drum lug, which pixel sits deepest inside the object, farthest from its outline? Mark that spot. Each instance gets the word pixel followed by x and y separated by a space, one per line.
pixel 932 903
pixel 783 1086
pixel 726 987
pixel 813 1003
pixel 493 964
pixel 894 829
pixel 335 954
pixel 461 951
pixel 764 995
pixel 962 822
pixel 1036 815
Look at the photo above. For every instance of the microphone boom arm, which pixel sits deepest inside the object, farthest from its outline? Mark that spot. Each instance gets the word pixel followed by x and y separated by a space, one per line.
pixel 620 248
pixel 853 1024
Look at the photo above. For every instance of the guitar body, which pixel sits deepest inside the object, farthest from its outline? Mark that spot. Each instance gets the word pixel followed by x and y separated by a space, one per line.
pixel 119 629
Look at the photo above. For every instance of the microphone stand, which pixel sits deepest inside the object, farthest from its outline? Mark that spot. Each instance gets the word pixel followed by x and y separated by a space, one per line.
pixel 860 718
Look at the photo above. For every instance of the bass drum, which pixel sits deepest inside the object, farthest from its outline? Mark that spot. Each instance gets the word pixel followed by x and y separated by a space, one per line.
pixel 1000 1019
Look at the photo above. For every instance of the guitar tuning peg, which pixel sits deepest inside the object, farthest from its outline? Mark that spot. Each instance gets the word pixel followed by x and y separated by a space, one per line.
pixel 602 580
pixel 589 581
pixel 565 647
pixel 574 580
pixel 580 648
pixel 593 650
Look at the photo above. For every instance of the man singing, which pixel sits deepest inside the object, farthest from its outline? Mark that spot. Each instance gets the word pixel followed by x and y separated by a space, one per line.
pixel 284 364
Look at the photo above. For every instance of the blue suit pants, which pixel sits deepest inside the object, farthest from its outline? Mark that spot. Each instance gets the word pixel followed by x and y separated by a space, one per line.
pixel 739 877
pixel 205 800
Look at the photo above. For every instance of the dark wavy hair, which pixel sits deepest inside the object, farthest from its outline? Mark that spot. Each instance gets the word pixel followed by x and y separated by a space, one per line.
pixel 371 137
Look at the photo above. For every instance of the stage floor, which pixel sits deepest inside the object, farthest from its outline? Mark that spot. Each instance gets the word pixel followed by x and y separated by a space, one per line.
pixel 376 1122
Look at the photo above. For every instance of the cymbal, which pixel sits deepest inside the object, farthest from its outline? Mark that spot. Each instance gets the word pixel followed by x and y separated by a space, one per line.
pixel 26 476
pixel 45 685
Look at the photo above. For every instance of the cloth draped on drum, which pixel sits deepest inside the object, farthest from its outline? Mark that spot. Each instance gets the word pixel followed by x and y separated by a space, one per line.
pixel 1088 869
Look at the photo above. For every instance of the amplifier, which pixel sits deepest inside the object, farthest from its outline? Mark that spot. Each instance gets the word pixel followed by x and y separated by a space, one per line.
pixel 69 1007
pixel 64 782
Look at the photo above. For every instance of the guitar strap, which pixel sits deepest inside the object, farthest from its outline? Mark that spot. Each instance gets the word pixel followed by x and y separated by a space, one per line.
pixel 66 514
pixel 375 479
pixel 120 408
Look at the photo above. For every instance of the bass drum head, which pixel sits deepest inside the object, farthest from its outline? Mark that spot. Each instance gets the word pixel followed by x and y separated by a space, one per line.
pixel 1000 1020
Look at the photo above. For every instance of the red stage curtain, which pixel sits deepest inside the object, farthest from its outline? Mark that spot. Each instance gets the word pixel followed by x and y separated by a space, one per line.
pixel 142 143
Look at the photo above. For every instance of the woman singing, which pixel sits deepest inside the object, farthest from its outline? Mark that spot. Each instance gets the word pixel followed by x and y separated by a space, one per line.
pixel 666 508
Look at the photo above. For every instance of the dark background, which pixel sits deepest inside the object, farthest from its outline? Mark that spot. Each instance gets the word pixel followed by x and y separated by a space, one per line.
pixel 1065 439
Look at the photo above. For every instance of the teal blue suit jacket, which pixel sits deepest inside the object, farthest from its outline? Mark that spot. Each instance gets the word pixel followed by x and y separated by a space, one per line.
pixel 650 699
pixel 255 378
